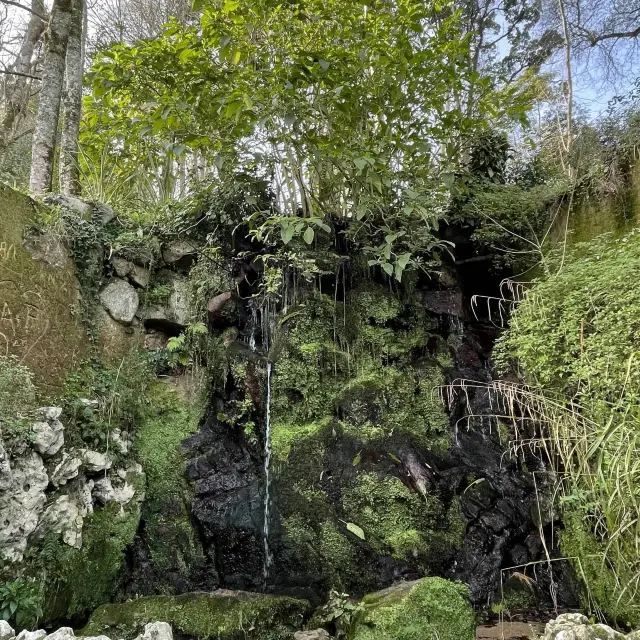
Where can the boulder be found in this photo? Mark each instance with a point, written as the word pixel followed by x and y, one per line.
pixel 575 626
pixel 427 608
pixel 82 208
pixel 175 313
pixel 64 633
pixel 156 631
pixel 21 503
pixel 31 635
pixel 154 340
pixel 94 461
pixel 48 436
pixel 104 491
pixel 121 300
pixel 179 253
pixel 103 212
pixel 126 269
pixel 221 613
pixel 63 516
pixel 120 440
pixel 316 634
pixel 6 631
pixel 65 470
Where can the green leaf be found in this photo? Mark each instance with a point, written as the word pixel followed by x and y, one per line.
pixel 387 268
pixel 324 64
pixel 230 6
pixel 286 232
pixel 357 459
pixel 308 235
pixel 356 530
pixel 395 458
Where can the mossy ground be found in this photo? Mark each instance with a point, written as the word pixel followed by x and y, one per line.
pixel 353 391
pixel 428 608
pixel 220 615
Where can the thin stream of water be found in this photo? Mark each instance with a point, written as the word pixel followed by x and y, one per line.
pixel 267 478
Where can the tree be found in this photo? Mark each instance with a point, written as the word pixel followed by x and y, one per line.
pixel 72 102
pixel 352 111
pixel 44 136
pixel 18 87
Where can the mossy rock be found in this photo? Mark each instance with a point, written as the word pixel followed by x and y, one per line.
pixel 419 610
pixel 224 615
pixel 39 320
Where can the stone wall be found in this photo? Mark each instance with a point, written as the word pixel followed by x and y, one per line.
pixel 39 320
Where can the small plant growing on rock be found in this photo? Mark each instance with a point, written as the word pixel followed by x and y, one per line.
pixel 341 612
pixel 20 602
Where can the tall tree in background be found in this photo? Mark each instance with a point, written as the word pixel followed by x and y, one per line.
pixel 18 85
pixel 44 136
pixel 72 102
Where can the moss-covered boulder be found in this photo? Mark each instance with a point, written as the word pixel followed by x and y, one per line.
pixel 223 615
pixel 419 610
pixel 39 320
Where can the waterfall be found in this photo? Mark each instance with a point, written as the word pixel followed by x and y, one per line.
pixel 267 478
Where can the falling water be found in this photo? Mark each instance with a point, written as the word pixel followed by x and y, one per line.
pixel 267 478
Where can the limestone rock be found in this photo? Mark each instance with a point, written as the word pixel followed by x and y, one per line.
pixel 175 313
pixel 5 470
pixel 103 212
pixel 316 634
pixel 120 440
pixel 181 251
pixel 21 503
pixel 6 631
pixel 121 300
pixel 575 626
pixel 64 633
pixel 94 461
pixel 82 208
pixel 104 491
pixel 156 631
pixel 65 470
pixel 48 436
pixel 31 635
pixel 63 516
pixel 127 269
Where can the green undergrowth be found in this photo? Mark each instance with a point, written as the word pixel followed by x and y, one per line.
pixel 574 339
pixel 76 581
pixel 223 616
pixel 169 417
pixel 353 394
pixel 428 608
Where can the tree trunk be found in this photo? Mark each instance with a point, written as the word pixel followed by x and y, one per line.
pixel 44 136
pixel 18 87
pixel 569 87
pixel 72 103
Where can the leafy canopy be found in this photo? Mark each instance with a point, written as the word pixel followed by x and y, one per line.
pixel 351 110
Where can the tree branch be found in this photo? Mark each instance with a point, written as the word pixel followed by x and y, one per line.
pixel 29 9
pixel 17 73
pixel 594 39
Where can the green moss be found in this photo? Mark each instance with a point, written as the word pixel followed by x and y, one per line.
pixel 168 418
pixel 223 615
pixel 39 320
pixel 79 580
pixel 428 608
pixel 600 576
pixel 394 518
pixel 357 382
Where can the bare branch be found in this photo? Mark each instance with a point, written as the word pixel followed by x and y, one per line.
pixel 594 39
pixel 17 73
pixel 29 9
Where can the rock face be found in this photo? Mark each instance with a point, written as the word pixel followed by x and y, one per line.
pixel 180 253
pixel 38 298
pixel 174 313
pixel 22 501
pixel 6 631
pixel 49 435
pixel 575 626
pixel 427 608
pixel 121 300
